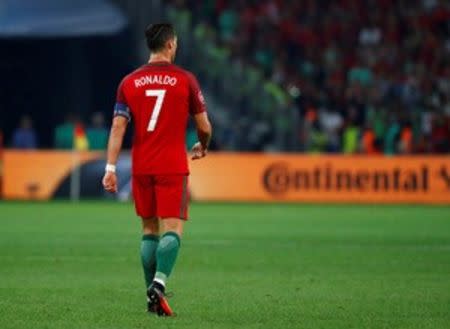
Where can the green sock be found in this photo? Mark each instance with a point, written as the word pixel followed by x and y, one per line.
pixel 166 254
pixel 148 256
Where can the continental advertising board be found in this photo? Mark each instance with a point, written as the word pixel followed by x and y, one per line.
pixel 247 177
pixel 306 178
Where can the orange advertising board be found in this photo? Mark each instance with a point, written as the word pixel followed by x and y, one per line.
pixel 251 177
pixel 314 178
pixel 37 174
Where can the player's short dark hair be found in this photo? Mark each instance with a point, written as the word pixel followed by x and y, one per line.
pixel 158 34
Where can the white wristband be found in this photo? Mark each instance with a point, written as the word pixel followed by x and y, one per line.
pixel 110 168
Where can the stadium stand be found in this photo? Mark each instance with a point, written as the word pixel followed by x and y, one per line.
pixel 325 76
pixel 342 76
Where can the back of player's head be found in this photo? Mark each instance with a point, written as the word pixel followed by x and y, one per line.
pixel 158 34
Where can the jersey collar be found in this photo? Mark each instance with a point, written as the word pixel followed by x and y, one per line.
pixel 159 63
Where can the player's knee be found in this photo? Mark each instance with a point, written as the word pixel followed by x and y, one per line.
pixel 173 225
pixel 150 225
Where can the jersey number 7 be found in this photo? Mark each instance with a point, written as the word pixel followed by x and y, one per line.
pixel 159 94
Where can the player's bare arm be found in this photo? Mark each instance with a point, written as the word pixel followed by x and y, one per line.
pixel 204 133
pixel 118 129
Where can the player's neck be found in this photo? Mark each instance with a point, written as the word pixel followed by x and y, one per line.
pixel 159 58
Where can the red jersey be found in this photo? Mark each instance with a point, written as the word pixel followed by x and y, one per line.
pixel 159 97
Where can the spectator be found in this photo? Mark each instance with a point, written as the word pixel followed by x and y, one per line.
pixel 228 22
pixel 24 137
pixel 369 142
pixel 331 122
pixel 318 140
pixel 406 139
pixel 391 137
pixel 371 34
pixel 440 137
pixel 350 139
pixel 360 73
pixel 96 133
pixel 64 133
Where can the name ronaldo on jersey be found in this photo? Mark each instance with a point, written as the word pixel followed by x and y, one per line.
pixel 155 80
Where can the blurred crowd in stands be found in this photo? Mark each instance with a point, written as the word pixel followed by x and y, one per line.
pixel 319 76
pixel 67 135
pixel 345 75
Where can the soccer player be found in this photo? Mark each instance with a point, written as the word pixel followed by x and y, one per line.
pixel 159 97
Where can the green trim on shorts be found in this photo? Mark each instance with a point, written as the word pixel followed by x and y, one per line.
pixel 184 199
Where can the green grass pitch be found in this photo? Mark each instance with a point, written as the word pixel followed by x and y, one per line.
pixel 66 265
